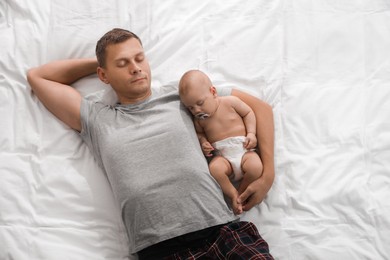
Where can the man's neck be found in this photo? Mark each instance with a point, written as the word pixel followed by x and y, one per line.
pixel 134 100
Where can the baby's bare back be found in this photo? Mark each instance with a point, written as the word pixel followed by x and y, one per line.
pixel 225 122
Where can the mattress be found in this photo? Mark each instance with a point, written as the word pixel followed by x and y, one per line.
pixel 323 66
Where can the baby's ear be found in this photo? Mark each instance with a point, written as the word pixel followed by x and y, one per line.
pixel 213 91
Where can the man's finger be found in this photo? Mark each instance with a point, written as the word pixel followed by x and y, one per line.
pixel 243 197
pixel 247 206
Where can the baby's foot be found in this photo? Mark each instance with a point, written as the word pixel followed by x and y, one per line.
pixel 237 207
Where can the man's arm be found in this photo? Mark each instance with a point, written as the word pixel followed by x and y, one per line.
pixel 258 189
pixel 51 84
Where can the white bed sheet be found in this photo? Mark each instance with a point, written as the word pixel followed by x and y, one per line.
pixel 324 66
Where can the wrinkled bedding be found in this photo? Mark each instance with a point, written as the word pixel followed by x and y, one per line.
pixel 324 67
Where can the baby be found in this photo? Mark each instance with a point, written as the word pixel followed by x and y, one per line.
pixel 226 128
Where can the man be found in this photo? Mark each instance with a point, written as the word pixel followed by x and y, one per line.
pixel 147 146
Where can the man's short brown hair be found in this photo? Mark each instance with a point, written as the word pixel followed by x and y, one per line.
pixel 116 35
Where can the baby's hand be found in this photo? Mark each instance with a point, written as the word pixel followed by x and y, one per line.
pixel 207 148
pixel 250 141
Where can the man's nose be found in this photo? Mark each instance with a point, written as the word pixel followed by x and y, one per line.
pixel 134 68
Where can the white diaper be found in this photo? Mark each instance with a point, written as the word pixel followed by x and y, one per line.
pixel 232 148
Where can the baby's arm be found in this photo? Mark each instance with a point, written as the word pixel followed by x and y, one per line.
pixel 248 116
pixel 207 148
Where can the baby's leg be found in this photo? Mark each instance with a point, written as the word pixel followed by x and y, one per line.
pixel 220 169
pixel 252 168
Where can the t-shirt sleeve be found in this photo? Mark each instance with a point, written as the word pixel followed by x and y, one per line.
pixel 224 91
pixel 88 114
pixel 85 115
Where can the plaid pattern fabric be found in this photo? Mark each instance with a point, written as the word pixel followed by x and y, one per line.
pixel 239 240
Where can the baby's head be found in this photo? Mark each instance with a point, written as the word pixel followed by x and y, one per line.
pixel 198 94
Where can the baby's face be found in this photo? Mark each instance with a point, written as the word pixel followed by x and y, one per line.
pixel 202 104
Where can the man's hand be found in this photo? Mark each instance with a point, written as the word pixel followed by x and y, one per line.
pixel 254 193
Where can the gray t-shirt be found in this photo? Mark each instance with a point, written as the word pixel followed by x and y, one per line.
pixel 154 163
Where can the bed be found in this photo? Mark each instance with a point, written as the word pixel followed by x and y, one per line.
pixel 323 66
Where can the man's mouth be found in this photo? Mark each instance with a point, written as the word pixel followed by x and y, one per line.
pixel 136 80
pixel 202 115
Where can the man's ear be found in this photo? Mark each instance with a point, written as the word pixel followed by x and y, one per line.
pixel 102 75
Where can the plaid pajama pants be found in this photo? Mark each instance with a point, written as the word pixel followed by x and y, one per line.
pixel 237 240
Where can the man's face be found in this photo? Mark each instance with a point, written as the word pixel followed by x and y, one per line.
pixel 127 71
